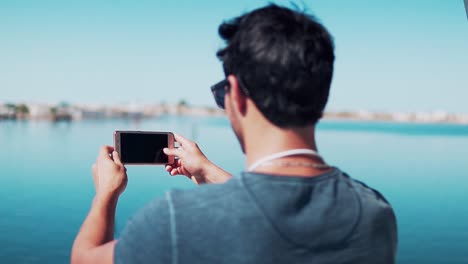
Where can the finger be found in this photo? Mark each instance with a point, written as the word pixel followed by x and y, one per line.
pixel 194 179
pixel 175 172
pixel 183 171
pixel 116 158
pixel 169 168
pixel 104 151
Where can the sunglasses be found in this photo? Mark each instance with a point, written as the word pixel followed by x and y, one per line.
pixel 219 91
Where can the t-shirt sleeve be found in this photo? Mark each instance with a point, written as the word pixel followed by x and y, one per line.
pixel 146 238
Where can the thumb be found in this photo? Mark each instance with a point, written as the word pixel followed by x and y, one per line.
pixel 171 151
pixel 116 158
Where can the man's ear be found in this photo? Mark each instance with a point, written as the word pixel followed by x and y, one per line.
pixel 239 99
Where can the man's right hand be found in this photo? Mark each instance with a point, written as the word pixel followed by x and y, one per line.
pixel 193 163
pixel 110 176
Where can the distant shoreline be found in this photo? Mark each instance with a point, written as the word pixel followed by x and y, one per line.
pixel 76 112
pixel 400 117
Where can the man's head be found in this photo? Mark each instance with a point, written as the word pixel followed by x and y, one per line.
pixel 283 61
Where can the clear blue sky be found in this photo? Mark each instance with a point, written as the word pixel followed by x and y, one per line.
pixel 391 55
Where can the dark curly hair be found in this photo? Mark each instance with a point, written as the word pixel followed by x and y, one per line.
pixel 283 60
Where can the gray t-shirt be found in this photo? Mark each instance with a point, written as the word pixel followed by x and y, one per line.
pixel 259 218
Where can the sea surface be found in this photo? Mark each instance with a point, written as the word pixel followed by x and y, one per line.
pixel 46 185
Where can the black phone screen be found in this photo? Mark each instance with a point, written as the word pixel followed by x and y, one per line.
pixel 143 148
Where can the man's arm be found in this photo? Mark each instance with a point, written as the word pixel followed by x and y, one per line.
pixel 95 241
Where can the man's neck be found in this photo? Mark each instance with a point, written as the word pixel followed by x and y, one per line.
pixel 265 139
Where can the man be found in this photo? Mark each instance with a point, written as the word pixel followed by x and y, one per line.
pixel 289 206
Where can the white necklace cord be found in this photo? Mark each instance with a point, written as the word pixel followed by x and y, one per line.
pixel 282 154
pixel 295 164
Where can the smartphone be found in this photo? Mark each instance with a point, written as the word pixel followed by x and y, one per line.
pixel 143 147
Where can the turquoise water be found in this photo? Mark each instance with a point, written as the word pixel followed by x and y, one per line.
pixel 46 184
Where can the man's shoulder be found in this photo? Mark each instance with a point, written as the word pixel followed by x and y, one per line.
pixel 207 195
pixel 368 195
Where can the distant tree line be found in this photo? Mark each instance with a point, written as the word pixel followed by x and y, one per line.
pixel 14 111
